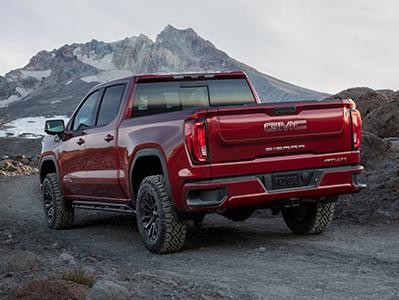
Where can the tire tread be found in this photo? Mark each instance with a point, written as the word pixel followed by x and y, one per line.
pixel 173 231
pixel 318 218
pixel 63 213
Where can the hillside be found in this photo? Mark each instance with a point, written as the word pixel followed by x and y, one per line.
pixel 54 81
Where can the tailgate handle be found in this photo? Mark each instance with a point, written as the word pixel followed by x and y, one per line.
pixel 286 110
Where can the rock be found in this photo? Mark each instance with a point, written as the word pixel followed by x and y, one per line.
pixel 89 269
pixel 107 290
pixel 67 258
pixel 51 289
pixel 11 167
pixel 7 165
pixel 374 150
pixel 384 120
pixel 397 182
pixel 90 259
pixel 370 101
pixel 34 162
pixel 352 93
pixel 23 261
pixel 14 146
pixel 389 93
pixel 378 109
pixel 366 99
pixel 24 161
pixel 9 274
pixel 8 242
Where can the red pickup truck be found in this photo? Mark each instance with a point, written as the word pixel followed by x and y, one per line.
pixel 173 147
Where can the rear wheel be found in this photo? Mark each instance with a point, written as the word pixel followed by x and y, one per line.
pixel 309 218
pixel 157 220
pixel 58 213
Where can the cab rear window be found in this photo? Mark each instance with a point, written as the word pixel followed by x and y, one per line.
pixel 159 97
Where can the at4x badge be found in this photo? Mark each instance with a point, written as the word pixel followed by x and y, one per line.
pixel 335 159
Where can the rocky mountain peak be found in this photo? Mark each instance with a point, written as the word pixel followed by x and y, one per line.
pixel 172 32
pixel 59 78
pixel 185 38
pixel 41 61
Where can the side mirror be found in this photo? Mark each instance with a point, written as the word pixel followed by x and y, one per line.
pixel 54 127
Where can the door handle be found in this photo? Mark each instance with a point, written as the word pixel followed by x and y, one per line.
pixel 80 141
pixel 109 137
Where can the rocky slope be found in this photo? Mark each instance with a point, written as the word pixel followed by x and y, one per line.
pixel 380 156
pixel 54 81
pixel 379 109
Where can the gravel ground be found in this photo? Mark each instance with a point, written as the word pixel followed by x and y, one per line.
pixel 255 259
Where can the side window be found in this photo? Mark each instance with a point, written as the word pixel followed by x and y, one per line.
pixel 110 104
pixel 86 115
pixel 157 97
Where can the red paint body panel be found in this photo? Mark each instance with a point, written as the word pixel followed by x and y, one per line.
pixel 239 150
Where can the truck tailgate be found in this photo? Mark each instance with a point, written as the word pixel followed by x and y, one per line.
pixel 250 132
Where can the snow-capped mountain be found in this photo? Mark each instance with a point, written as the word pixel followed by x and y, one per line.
pixel 53 82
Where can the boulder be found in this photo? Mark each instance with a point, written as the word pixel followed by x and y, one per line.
pixel 352 93
pixel 23 261
pixel 374 150
pixel 67 258
pixel 51 289
pixel 384 120
pixel 108 290
pixel 366 99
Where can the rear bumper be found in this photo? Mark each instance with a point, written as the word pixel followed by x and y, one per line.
pixel 257 190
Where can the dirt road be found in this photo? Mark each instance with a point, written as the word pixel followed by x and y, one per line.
pixel 255 259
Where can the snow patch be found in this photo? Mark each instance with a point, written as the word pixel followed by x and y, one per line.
pixel 31 127
pixel 13 98
pixel 23 92
pixel 9 100
pixel 104 63
pixel 107 76
pixel 39 75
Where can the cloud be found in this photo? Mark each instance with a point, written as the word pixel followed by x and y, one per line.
pixel 319 44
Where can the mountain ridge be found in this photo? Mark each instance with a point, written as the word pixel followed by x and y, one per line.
pixel 55 81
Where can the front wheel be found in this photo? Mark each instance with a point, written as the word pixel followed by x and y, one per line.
pixel 157 220
pixel 59 214
pixel 309 218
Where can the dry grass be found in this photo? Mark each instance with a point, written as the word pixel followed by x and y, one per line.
pixel 80 276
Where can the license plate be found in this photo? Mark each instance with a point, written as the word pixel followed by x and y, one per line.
pixel 285 181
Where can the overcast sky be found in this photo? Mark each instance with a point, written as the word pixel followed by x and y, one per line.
pixel 325 45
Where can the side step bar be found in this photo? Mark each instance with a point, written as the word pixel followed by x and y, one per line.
pixel 103 206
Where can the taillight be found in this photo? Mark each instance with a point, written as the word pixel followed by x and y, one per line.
pixel 356 129
pixel 195 135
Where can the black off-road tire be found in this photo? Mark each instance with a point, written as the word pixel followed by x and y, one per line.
pixel 62 211
pixel 309 218
pixel 171 232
